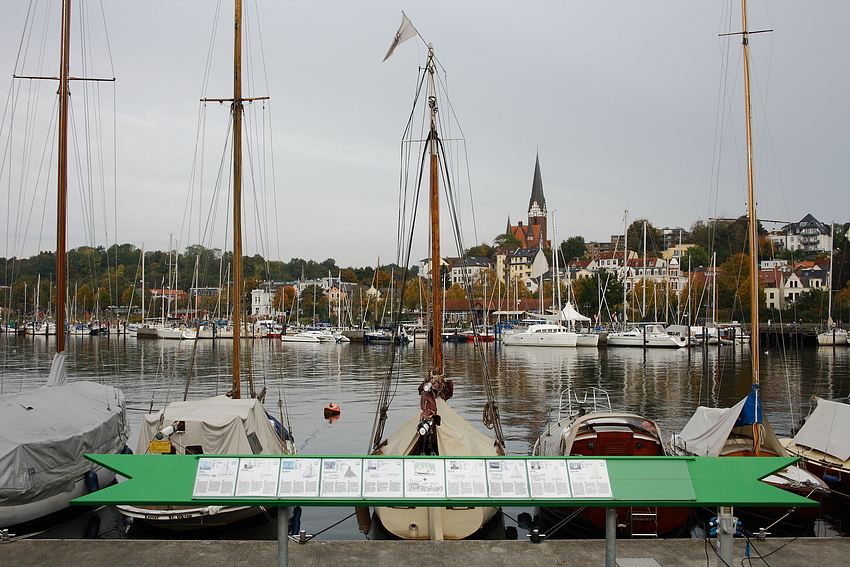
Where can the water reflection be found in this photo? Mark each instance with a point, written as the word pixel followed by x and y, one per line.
pixel 665 385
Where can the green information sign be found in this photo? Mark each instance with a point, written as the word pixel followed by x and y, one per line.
pixel 437 481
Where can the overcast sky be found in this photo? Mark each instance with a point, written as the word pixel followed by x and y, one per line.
pixel 631 105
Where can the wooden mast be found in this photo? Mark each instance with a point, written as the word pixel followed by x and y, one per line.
pixel 753 226
pixel 236 108
pixel 62 192
pixel 436 281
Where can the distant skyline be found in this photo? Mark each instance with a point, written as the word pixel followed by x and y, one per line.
pixel 630 105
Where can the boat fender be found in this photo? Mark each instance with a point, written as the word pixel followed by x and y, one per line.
pixel 331 410
pixel 832 480
pixel 92 483
pixel 126 450
pixel 295 521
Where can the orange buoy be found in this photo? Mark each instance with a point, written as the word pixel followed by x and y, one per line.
pixel 331 410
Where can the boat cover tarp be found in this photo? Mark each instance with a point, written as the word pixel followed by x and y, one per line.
pixel 568 313
pixel 44 434
pixel 220 425
pixel 455 436
pixel 706 432
pixel 827 429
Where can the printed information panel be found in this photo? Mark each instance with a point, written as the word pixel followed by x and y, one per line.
pixel 393 478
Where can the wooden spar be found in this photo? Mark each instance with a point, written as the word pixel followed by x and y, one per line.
pixel 751 205
pixel 436 280
pixel 751 212
pixel 236 107
pixel 62 192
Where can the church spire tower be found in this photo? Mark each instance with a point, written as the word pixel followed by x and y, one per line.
pixel 536 237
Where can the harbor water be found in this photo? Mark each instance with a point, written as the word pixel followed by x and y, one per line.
pixel 302 378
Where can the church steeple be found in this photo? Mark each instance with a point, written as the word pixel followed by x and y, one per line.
pixel 537 203
pixel 537 211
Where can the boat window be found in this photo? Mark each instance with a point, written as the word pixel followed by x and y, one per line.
pixel 254 442
pixel 194 450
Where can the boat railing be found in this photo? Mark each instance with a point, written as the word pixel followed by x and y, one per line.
pixel 579 402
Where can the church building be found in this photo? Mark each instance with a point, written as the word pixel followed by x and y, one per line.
pixel 533 235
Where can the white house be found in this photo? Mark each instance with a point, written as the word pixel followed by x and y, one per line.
pixel 468 269
pixel 261 304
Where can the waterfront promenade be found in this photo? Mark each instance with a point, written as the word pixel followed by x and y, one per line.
pixel 784 552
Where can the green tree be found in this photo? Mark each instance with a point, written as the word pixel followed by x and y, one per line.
pixel 693 258
pixel 507 240
pixel 603 284
pixel 654 238
pixel 573 248
pixel 85 297
pixel 480 251
pixel 314 302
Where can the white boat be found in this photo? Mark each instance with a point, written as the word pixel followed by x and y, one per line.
pixel 832 336
pixel 386 336
pixel 173 333
pixel 541 335
pixel 45 433
pixel 434 428
pixel 221 425
pixel 648 336
pixel 212 426
pixel 307 337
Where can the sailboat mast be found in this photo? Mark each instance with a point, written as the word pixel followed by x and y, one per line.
pixel 436 283
pixel 236 108
pixel 751 205
pixel 62 192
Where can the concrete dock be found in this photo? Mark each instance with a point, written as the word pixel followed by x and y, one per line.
pixel 783 552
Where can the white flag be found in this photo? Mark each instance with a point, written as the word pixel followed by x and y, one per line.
pixel 405 32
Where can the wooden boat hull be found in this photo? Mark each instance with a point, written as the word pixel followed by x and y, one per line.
pixel 186 519
pixel 453 523
pixel 632 522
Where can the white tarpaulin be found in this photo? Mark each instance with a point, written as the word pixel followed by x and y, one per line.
pixel 44 434
pixel 455 436
pixel 568 313
pixel 218 425
pixel 827 429
pixel 708 429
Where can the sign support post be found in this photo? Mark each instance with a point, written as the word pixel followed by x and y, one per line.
pixel 610 536
pixel 283 515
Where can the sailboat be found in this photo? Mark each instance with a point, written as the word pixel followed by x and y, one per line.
pixel 222 425
pixel 832 336
pixel 45 433
pixel 586 425
pixel 743 430
pixel 435 429
pixel 823 444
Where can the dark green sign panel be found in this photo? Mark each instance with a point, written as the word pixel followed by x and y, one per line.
pixel 187 480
